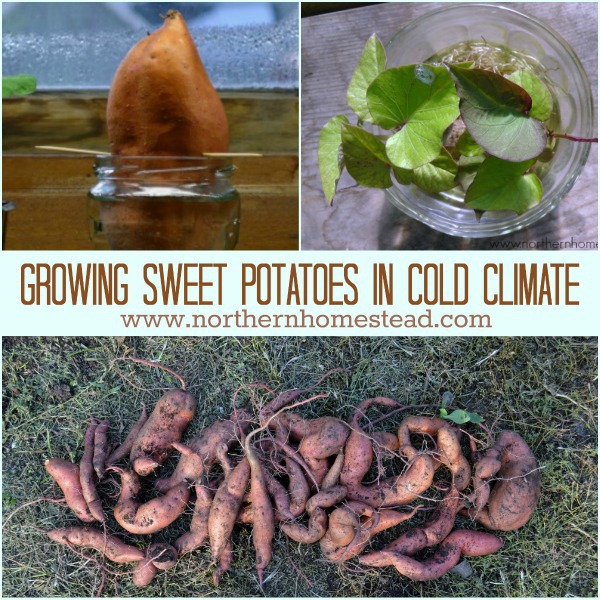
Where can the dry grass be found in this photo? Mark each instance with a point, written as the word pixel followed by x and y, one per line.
pixel 544 388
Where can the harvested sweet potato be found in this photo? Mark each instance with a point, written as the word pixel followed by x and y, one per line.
pixel 87 475
pixel 88 537
pixel 225 506
pixel 161 100
pixel 67 475
pixel 171 415
pixel 198 532
pixel 517 490
pixel 207 445
pixel 458 543
pixel 152 516
pixel 144 572
pixel 448 450
pixel 431 533
pixel 100 448
pixel 163 556
pixel 124 449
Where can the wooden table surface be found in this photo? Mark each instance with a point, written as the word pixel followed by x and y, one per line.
pixel 363 218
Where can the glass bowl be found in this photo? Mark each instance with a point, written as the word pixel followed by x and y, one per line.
pixel 499 25
pixel 164 203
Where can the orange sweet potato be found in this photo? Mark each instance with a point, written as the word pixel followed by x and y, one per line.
pixel 198 532
pixel 412 541
pixel 161 100
pixel 152 516
pixel 207 445
pixel 458 543
pixel 171 415
pixel 144 572
pixel 163 556
pixel 87 475
pixel 100 448
pixel 225 507
pixel 66 474
pixel 517 490
pixel 87 537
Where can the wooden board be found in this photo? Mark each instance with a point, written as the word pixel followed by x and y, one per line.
pixel 364 219
pixel 50 194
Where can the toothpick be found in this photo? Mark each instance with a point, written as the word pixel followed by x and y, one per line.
pixel 99 153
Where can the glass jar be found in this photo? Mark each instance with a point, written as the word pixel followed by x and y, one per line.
pixel 500 26
pixel 164 203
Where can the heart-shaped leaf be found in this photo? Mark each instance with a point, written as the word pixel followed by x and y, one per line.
pixel 438 175
pixel 18 85
pixel 467 146
pixel 503 185
pixel 365 157
pixel 422 100
pixel 370 64
pixel 495 113
pixel 541 98
pixel 331 160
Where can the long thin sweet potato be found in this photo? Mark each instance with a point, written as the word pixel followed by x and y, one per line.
pixel 100 448
pixel 87 474
pixel 458 543
pixel 517 490
pixel 144 572
pixel 67 475
pixel 225 507
pixel 198 532
pixel 171 415
pixel 87 537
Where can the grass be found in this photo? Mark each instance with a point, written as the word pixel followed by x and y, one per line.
pixel 544 388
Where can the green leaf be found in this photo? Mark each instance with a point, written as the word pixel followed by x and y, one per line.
pixel 467 169
pixel 422 100
pixel 18 85
pixel 503 185
pixel 467 146
pixel 370 64
pixel 495 113
pixel 438 175
pixel 365 158
pixel 330 158
pixel 541 98
pixel 403 176
pixel 460 417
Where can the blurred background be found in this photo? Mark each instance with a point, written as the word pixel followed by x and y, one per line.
pixel 78 45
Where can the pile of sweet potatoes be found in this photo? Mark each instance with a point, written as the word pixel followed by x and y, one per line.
pixel 315 479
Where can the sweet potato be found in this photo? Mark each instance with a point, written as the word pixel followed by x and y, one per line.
pixel 459 542
pixel 448 452
pixel 225 506
pixel 124 449
pixel 484 469
pixel 225 562
pixel 264 518
pixel 144 572
pixel 352 526
pixel 431 533
pixel 317 523
pixel 163 556
pixel 100 448
pixel 198 532
pixel 87 475
pixel 298 489
pixel 207 445
pixel 66 474
pixel 87 537
pixel 517 490
pixel 161 100
pixel 152 516
pixel 171 415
